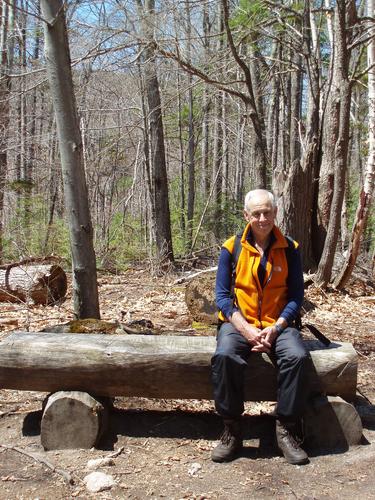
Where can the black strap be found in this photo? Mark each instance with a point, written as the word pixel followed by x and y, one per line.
pixel 237 249
pixel 318 334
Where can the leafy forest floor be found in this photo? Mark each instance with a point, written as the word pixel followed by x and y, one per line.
pixel 162 448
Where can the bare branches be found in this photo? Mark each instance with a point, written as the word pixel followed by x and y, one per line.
pixel 193 70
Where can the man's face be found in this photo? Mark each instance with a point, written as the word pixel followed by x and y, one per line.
pixel 261 214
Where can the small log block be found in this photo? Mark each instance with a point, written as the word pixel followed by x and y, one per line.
pixel 37 283
pixel 332 423
pixel 72 420
pixel 167 367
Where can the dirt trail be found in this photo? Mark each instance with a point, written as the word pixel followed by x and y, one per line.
pixel 164 446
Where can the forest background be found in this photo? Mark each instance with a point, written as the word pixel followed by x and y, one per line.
pixel 180 108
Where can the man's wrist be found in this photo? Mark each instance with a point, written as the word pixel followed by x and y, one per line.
pixel 279 329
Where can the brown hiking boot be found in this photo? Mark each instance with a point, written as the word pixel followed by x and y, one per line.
pixel 289 446
pixel 230 442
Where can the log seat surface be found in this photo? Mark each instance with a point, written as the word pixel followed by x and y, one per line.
pixel 168 367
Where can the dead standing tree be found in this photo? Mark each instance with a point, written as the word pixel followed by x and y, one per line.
pixel 85 291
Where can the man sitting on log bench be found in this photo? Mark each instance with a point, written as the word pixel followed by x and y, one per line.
pixel 258 302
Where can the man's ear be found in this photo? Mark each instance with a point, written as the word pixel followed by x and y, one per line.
pixel 246 215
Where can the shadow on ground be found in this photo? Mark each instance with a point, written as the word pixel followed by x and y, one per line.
pixel 258 431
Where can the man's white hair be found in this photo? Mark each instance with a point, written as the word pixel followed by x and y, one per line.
pixel 256 192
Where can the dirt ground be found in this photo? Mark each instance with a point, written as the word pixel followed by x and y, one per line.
pixel 160 448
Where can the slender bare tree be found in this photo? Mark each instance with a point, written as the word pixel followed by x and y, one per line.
pixel 85 290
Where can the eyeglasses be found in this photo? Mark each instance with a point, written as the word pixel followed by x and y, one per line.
pixel 267 214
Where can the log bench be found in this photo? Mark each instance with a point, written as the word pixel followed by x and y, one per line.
pixel 83 368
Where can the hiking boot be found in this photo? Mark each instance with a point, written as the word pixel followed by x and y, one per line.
pixel 230 442
pixel 289 446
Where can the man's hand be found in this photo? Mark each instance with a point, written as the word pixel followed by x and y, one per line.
pixel 249 332
pixel 268 336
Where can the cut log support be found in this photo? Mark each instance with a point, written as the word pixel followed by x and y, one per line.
pixel 71 420
pixel 331 423
pixel 168 367
pixel 37 283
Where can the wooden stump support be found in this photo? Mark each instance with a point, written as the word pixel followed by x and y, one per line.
pixel 71 420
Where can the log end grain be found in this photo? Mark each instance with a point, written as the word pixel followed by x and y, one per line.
pixel 72 420
pixel 332 424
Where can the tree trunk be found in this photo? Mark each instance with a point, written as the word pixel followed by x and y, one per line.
pixel 182 163
pixel 366 193
pixel 6 58
pixel 85 291
pixel 342 100
pixel 206 104
pixel 191 136
pixel 154 366
pixel 298 196
pixel 160 194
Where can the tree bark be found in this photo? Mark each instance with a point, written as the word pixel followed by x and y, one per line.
pixel 153 366
pixel 6 59
pixel 160 194
pixel 339 145
pixel 299 190
pixel 206 105
pixel 191 139
pixel 366 193
pixel 85 291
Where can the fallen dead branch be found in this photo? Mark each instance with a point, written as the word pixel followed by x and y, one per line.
pixel 191 276
pixel 65 474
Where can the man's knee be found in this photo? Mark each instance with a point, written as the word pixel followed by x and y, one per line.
pixel 230 341
pixel 292 349
pixel 224 360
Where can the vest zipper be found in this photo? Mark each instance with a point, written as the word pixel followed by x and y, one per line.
pixel 261 299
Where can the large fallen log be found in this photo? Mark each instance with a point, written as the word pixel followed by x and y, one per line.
pixel 153 366
pixel 37 283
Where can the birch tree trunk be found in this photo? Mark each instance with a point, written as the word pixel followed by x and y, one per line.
pixel 6 57
pixel 85 290
pixel 365 196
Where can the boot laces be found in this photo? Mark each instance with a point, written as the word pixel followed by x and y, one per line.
pixel 294 440
pixel 226 436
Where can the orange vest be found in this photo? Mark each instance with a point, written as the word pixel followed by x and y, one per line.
pixel 261 306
